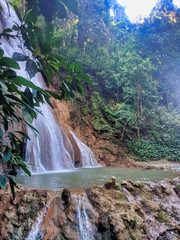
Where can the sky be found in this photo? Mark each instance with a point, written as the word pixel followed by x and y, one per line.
pixel 135 8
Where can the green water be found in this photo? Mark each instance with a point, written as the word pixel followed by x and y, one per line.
pixel 87 177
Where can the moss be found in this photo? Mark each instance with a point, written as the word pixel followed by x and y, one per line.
pixel 178 186
pixel 121 196
pixel 83 119
pixel 86 110
pixel 100 125
pixel 162 217
pixel 99 121
pixel 138 184
pixel 73 115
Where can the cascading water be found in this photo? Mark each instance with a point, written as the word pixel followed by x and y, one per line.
pixel 51 149
pixel 59 221
pixel 87 157
pixel 85 230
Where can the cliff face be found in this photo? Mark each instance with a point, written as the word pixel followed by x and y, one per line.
pixel 137 210
pixel 133 210
pixel 17 218
pixel 76 117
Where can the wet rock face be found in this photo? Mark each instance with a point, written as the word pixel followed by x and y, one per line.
pixel 66 197
pixel 111 184
pixel 70 223
pixel 17 217
pixel 106 152
pixel 137 210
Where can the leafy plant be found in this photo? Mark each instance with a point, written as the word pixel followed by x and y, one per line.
pixel 16 107
pixel 21 106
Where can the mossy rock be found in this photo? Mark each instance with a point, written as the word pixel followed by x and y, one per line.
pixel 162 217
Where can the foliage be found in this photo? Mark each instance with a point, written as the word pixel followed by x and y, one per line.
pixel 20 106
pixel 135 70
pixel 16 107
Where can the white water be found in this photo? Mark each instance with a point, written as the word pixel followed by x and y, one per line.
pixel 51 149
pixel 35 233
pixel 85 226
pixel 87 157
pixel 85 230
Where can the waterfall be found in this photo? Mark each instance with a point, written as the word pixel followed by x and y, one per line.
pixel 51 149
pixel 87 157
pixel 35 233
pixel 57 221
pixel 85 230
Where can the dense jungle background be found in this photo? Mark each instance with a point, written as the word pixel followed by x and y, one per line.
pixel 134 96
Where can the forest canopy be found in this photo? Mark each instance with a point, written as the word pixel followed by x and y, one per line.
pixel 135 73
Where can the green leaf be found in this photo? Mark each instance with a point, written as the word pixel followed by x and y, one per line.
pixel 15 28
pixel 4 87
pixel 49 32
pixel 48 9
pixel 19 57
pixel 12 184
pixel 9 62
pixel 7 155
pixel 31 16
pixel 8 30
pixel 20 81
pixel 72 66
pixel 85 77
pixel 28 116
pixel 31 68
pixel 2 182
pixel 23 134
pixel 9 73
pixel 48 101
pixel 79 88
pixel 5 124
pixel 66 87
pixel 29 96
pixel 61 11
pixel 54 95
pixel 1 133
pixel 78 68
pixel 37 51
pixel 71 95
pixel 24 168
pixel 69 79
pixel 72 5
pixel 1 52
pixel 55 42
pixel 32 128
pixel 18 13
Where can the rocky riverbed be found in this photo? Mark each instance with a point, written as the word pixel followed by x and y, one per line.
pixel 163 165
pixel 131 210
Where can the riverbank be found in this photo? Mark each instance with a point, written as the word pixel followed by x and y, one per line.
pixel 163 165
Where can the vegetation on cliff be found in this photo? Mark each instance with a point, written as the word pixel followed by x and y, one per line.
pixel 135 74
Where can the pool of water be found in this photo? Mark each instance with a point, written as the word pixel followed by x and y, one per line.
pixel 87 177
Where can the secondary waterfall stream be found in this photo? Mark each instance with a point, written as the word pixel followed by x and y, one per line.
pixel 51 149
pixel 84 223
pixel 78 219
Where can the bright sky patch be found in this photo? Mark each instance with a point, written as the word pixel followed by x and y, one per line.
pixel 140 8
